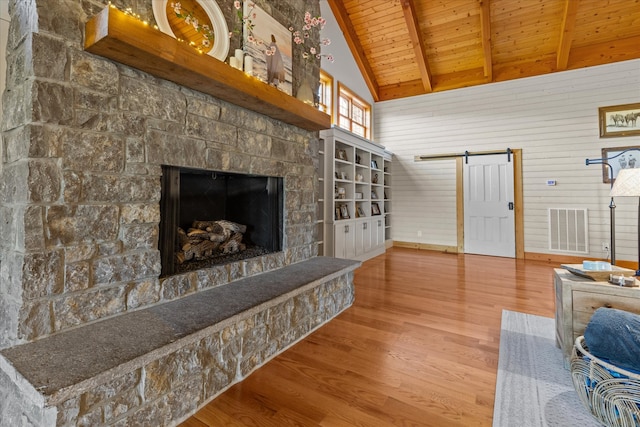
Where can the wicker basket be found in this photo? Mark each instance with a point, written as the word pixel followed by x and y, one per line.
pixel 611 394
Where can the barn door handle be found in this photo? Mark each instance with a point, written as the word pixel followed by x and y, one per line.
pixel 510 206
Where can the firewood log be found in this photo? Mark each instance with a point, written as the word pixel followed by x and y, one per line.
pixel 196 232
pixel 208 226
pixel 233 245
pixel 233 226
pixel 183 240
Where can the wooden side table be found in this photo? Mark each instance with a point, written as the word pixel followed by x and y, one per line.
pixel 576 300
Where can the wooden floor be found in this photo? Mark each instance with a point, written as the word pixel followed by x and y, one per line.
pixel 419 347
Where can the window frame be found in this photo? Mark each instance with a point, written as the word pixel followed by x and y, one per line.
pixel 325 93
pixel 353 100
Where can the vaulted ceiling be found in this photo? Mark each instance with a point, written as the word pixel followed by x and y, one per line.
pixel 412 47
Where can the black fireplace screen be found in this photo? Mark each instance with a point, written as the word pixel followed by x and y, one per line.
pixel 209 218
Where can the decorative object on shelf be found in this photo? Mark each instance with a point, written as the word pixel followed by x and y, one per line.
pixel 244 20
pixel 360 212
pixel 621 280
pixel 359 196
pixel 190 19
pixel 374 164
pixel 341 154
pixel 269 44
pixel 305 92
pixel 619 120
pixel 343 175
pixel 302 37
pixel 344 212
pixel 374 180
pixel 375 209
pixel 600 274
pixel 202 33
pixel 374 195
pixel 359 177
pixel 358 159
pixel 628 185
pixel 342 193
pixel 248 65
pixel 619 158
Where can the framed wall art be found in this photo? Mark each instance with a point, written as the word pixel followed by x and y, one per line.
pixel 269 43
pixel 619 120
pixel 619 158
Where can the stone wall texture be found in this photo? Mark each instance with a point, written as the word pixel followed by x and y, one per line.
pixel 174 385
pixel 84 139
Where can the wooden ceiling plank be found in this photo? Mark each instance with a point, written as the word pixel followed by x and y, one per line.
pixel 466 43
pixel 566 33
pixel 342 17
pixel 410 16
pixel 485 25
pixel 605 53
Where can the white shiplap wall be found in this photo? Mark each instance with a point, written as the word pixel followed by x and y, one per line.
pixel 552 118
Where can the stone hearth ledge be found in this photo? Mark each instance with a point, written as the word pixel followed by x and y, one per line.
pixel 55 369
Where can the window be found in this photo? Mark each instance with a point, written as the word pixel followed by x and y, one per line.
pixel 354 114
pixel 325 93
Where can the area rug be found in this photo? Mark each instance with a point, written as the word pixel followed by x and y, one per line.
pixel 533 387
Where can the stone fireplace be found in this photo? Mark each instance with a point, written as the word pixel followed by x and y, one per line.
pixel 195 202
pixel 93 327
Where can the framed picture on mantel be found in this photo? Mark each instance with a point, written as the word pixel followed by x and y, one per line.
pixel 272 53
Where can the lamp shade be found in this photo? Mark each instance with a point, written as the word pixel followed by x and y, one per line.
pixel 627 183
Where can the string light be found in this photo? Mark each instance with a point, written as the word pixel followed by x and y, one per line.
pixel 130 12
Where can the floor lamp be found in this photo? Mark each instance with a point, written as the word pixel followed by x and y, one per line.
pixel 627 184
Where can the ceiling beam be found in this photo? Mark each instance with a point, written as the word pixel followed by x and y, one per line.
pixel 566 33
pixel 342 17
pixel 485 32
pixel 410 16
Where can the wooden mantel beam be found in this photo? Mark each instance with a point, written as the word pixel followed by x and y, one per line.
pixel 485 31
pixel 124 39
pixel 411 18
pixel 566 33
pixel 342 17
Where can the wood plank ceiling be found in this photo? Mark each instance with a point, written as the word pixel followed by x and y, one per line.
pixel 413 47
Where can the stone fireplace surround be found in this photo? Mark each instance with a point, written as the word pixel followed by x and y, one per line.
pixel 84 139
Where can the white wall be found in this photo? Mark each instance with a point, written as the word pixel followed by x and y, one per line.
pixel 552 118
pixel 344 68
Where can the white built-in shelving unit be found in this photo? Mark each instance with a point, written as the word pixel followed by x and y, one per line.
pixel 357 195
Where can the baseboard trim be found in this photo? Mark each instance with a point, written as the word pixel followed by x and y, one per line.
pixel 572 259
pixel 426 247
pixel 532 256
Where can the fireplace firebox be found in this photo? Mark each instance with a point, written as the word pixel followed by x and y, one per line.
pixel 218 216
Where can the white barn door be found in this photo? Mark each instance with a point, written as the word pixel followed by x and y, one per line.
pixel 489 215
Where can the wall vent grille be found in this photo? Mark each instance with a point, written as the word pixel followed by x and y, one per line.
pixel 568 230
